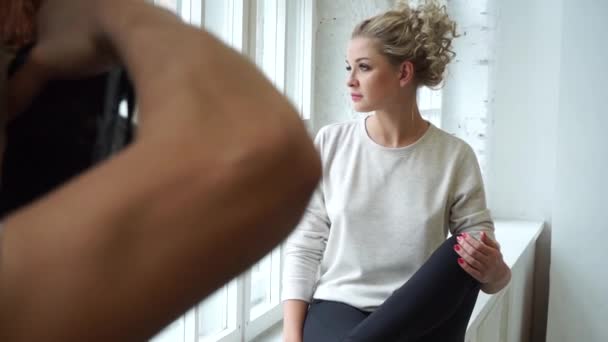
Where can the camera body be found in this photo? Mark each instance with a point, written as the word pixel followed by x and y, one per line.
pixel 70 126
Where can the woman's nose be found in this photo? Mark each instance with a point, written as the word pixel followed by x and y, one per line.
pixel 351 81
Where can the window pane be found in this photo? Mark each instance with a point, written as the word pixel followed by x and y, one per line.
pixel 196 12
pixel 260 287
pixel 171 5
pixel 172 333
pixel 269 55
pixel 212 313
pixel 299 54
pixel 293 54
pixel 266 38
pixel 189 10
pixel 218 19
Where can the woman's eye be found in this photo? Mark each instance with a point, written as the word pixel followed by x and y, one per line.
pixel 364 67
pixel 348 68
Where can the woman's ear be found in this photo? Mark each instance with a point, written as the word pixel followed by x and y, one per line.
pixel 406 73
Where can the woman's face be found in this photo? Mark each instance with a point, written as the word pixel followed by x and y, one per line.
pixel 374 82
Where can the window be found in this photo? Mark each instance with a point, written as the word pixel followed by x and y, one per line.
pixel 277 36
pixel 300 55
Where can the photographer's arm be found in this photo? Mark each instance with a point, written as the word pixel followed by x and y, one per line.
pixel 220 173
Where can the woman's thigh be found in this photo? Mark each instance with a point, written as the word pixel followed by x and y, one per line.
pixel 328 321
pixel 455 328
pixel 432 296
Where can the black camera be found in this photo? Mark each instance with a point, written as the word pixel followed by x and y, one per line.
pixel 70 126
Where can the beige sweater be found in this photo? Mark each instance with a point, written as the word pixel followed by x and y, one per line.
pixel 379 213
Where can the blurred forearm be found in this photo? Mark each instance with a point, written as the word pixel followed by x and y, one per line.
pixel 294 313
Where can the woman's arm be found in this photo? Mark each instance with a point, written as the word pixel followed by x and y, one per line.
pixel 294 314
pixel 480 257
pixel 303 254
pixel 221 172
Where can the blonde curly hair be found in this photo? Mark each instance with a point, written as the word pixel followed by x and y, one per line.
pixel 422 35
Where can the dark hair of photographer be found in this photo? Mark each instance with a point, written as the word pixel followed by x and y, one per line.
pixel 16 24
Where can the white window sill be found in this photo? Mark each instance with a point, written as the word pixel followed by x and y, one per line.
pixel 274 334
pixel 505 315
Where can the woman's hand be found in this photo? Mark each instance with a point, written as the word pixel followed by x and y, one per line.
pixel 483 260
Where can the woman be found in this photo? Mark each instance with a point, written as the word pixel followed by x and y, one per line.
pixel 393 186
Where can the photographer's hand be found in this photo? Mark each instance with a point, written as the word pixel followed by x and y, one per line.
pixel 70 43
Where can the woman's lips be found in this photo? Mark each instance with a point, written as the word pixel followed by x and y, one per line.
pixel 356 97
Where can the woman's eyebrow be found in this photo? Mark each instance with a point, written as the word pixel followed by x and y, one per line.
pixel 358 59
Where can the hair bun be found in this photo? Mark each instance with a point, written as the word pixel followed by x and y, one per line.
pixel 422 34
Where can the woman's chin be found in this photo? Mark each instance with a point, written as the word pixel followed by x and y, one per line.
pixel 361 108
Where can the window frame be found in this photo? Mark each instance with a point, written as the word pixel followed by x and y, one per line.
pixel 295 80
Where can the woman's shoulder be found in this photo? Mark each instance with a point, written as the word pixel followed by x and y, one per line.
pixel 451 142
pixel 449 149
pixel 339 130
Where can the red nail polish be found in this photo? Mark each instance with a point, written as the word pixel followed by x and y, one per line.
pixel 456 248
pixel 461 261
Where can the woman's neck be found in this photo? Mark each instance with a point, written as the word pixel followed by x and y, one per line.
pixel 397 128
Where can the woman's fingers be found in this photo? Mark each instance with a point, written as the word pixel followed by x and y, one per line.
pixel 470 270
pixel 478 257
pixel 473 262
pixel 474 247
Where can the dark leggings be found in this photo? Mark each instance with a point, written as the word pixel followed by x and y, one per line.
pixel 435 304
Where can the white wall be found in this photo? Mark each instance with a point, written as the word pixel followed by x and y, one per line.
pixel 526 91
pixel 578 306
pixel 523 116
pixel 549 153
pixel 466 94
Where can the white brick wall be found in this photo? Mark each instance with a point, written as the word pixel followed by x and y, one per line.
pixel 466 94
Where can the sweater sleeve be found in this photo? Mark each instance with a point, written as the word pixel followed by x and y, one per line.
pixel 468 210
pixel 304 248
